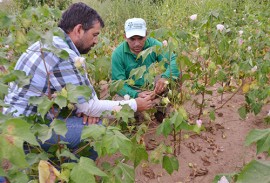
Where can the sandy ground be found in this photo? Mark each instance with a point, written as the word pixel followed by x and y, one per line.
pixel 217 150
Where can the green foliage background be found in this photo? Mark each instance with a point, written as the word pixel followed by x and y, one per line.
pixel 206 57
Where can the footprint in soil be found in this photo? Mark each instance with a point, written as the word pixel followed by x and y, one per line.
pixel 152 144
pixel 193 147
pixel 198 172
pixel 148 172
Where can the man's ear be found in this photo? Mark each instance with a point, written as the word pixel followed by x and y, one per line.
pixel 78 30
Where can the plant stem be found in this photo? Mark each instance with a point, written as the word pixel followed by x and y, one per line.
pixel 181 84
pixel 174 142
pixel 221 98
pixel 203 96
pixel 179 141
pixel 230 97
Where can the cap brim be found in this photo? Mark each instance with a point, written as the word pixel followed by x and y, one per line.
pixel 131 33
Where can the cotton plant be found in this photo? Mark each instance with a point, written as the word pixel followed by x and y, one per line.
pixel 79 62
pixel 254 69
pixel 223 179
pixel 220 27
pixel 199 123
pixel 193 17
pixel 241 32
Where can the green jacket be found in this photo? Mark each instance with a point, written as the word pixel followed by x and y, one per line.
pixel 123 61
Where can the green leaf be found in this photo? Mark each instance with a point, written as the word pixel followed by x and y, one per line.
pixel 43 104
pixel 63 54
pixel 94 131
pixel 4 88
pixel 75 92
pixel 116 86
pixel 124 173
pixel 221 76
pixel 59 127
pixel 43 132
pixel 13 151
pixel 157 155
pixel 125 113
pixel 3 104
pixel 242 112
pixel 18 128
pixel 170 164
pixel 212 115
pixel 165 128
pixel 5 21
pixel 256 108
pixel 18 76
pixel 140 154
pixel 33 158
pixel 68 154
pixel 146 52
pixel 255 135
pixel 18 177
pixel 176 119
pixel 263 144
pixel 14 133
pixel 138 72
pixel 85 170
pixel 255 171
pixel 61 101
pixel 115 140
pixel 215 14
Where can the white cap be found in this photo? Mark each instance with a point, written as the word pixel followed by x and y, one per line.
pixel 135 26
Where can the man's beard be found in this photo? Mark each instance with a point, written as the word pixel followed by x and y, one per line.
pixel 82 49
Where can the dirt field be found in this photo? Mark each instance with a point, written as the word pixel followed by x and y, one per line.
pixel 219 149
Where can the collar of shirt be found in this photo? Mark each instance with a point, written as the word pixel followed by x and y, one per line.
pixel 71 44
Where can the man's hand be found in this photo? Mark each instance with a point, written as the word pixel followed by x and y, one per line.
pixel 145 94
pixel 144 103
pixel 88 119
pixel 161 86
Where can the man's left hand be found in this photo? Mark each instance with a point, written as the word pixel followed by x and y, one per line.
pixel 161 85
pixel 88 119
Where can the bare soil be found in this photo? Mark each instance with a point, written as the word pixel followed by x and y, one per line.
pixel 219 149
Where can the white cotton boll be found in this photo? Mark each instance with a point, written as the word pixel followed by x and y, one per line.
pixel 240 32
pixel 199 123
pixel 79 62
pixel 254 69
pixel 223 179
pixel 126 97
pixel 220 27
pixel 249 48
pixel 193 17
pixel 165 43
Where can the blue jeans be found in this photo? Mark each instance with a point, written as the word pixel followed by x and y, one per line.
pixel 2 180
pixel 73 136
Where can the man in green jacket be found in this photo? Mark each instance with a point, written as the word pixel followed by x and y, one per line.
pixel 124 59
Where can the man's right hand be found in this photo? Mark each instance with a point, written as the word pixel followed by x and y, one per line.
pixel 144 103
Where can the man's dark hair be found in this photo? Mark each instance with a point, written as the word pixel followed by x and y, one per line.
pixel 79 13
